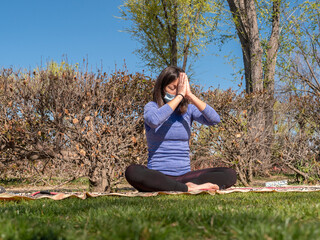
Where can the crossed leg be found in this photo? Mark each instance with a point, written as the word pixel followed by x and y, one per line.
pixel 148 180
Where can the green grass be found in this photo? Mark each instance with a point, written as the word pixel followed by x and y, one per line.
pixel 232 216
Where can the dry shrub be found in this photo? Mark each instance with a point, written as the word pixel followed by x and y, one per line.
pixel 63 122
pixel 298 137
pixel 233 142
pixel 241 137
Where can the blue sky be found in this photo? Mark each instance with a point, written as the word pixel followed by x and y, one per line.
pixel 36 31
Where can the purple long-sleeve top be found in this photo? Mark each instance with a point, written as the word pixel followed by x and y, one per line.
pixel 168 133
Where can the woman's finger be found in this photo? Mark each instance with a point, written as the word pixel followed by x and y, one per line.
pixel 182 86
pixel 184 78
pixel 181 80
pixel 188 88
pixel 181 77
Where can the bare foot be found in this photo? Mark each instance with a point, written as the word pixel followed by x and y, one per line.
pixel 205 186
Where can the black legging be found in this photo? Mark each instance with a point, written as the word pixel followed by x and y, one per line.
pixel 148 180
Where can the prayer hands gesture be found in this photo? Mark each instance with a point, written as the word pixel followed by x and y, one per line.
pixel 184 86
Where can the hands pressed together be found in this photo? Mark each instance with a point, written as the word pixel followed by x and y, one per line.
pixel 184 86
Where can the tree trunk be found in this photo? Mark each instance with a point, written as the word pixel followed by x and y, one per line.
pixel 99 183
pixel 187 45
pixel 261 124
pixel 242 176
pixel 255 48
pixel 174 32
pixel 271 61
pixel 245 20
pixel 246 63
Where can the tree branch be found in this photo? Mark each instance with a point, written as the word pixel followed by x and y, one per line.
pixel 186 48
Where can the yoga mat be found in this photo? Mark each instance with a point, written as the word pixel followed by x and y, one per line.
pixel 84 195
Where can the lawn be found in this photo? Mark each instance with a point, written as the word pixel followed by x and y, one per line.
pixel 232 216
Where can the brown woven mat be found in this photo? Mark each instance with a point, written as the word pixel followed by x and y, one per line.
pixel 84 195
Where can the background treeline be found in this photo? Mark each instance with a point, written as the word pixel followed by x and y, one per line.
pixel 70 123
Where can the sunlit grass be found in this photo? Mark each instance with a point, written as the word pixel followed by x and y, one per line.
pixel 232 216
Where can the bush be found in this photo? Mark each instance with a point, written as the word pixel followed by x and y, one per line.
pixel 67 123
pixel 78 124
pixel 298 137
pixel 234 143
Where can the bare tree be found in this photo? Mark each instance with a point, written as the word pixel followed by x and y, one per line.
pixel 259 75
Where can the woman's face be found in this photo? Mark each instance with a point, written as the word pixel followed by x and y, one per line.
pixel 172 87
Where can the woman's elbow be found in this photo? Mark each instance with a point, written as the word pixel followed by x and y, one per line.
pixel 152 122
pixel 214 121
pixel 218 120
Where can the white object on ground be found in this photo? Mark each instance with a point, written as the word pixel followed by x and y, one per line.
pixel 277 183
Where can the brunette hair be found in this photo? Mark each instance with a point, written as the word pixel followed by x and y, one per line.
pixel 167 76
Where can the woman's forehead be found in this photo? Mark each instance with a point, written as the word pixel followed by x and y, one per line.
pixel 174 82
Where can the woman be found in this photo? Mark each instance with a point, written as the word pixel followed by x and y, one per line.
pixel 168 121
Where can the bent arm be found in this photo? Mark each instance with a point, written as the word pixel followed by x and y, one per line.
pixel 154 116
pixel 196 101
pixel 202 112
pixel 175 102
pixel 208 116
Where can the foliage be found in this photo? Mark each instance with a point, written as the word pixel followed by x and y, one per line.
pixel 300 65
pixel 302 61
pixel 171 30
